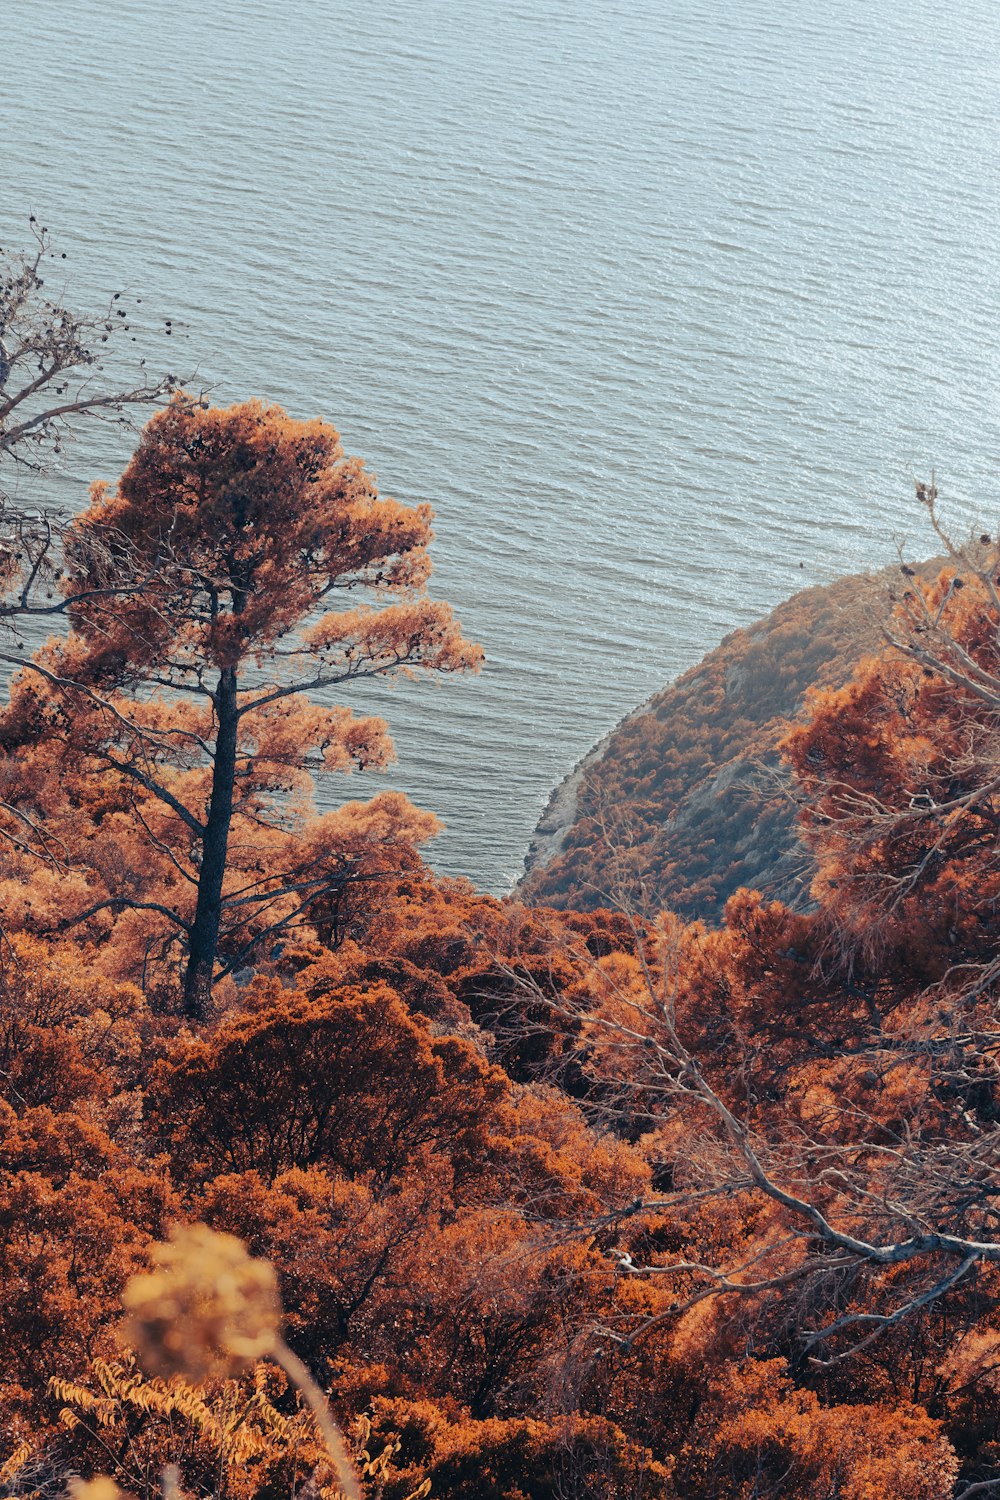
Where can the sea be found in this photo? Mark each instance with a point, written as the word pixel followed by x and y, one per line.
pixel 661 304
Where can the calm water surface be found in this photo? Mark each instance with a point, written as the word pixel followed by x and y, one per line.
pixel 659 302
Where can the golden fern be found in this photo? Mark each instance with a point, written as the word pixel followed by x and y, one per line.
pixel 16 1461
pixel 242 1427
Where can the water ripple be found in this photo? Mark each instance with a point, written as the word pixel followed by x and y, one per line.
pixel 658 304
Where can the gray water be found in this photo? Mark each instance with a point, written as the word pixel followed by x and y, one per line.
pixel 659 302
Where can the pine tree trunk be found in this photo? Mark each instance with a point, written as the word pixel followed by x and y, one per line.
pixel 203 939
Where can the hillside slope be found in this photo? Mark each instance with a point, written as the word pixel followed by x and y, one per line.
pixel 687 800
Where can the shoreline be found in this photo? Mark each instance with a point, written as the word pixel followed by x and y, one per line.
pixel 559 814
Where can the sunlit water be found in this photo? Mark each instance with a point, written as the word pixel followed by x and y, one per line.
pixel 659 302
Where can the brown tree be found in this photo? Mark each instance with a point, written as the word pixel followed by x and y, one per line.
pixel 184 705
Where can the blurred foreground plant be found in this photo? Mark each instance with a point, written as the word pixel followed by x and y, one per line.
pixel 209 1310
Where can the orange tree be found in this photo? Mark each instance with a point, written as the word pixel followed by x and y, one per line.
pixel 176 711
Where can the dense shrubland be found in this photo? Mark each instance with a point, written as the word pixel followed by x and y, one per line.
pixel 556 1203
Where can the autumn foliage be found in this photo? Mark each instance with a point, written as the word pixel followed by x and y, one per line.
pixel 551 1203
pixel 199 594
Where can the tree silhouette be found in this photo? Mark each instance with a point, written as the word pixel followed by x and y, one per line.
pixel 52 359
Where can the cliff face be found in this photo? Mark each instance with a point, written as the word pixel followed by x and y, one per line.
pixel 687 799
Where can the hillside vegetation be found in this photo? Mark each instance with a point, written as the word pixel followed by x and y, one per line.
pixel 546 1204
pixel 323 1176
pixel 688 799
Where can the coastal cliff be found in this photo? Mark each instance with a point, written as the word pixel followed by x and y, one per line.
pixel 687 798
